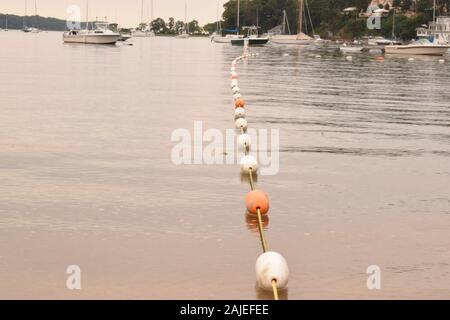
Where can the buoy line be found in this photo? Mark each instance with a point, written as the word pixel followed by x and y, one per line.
pixel 271 268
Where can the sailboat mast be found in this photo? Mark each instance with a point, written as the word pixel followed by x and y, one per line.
pixel 25 17
pixel 35 13
pixel 151 10
pixel 142 11
pixel 257 17
pixel 238 14
pixel 87 14
pixel 300 16
pixel 185 16
pixel 393 26
pixel 434 11
pixel 217 24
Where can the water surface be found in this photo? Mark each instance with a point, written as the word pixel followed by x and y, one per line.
pixel 87 179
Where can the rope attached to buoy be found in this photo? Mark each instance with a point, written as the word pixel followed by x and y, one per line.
pixel 271 267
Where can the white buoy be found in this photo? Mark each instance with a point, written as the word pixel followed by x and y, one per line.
pixel 234 74
pixel 249 163
pixel 349 58
pixel 234 83
pixel 233 69
pixel 241 123
pixel 318 56
pixel 244 142
pixel 236 89
pixel 239 113
pixel 441 61
pixel 272 266
pixel 411 59
pixel 237 96
pixel 285 54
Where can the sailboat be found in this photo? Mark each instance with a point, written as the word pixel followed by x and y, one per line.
pixel 143 31
pixel 184 34
pixel 100 34
pixel 35 29
pixel 420 47
pixel 298 39
pixel 25 28
pixel 219 38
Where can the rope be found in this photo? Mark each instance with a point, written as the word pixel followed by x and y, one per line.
pixel 261 232
pixel 260 220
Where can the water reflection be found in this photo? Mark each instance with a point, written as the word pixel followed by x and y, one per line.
pixel 252 222
pixel 262 294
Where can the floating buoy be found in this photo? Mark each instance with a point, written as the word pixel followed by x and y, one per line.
pixel 239 113
pixel 272 266
pixel 244 141
pixel 380 58
pixel 255 200
pixel 234 74
pixel 233 69
pixel 411 59
pixel 234 77
pixel 441 60
pixel 237 96
pixel 235 90
pixel 349 58
pixel 249 163
pixel 241 123
pixel 234 83
pixel 285 54
pixel 239 103
pixel 318 56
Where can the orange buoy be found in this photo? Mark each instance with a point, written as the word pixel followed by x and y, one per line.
pixel 255 200
pixel 380 58
pixel 239 103
pixel 234 77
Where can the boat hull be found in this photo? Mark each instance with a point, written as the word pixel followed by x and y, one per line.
pixel 92 39
pixel 298 39
pixel 292 41
pixel 417 50
pixel 251 42
pixel 220 39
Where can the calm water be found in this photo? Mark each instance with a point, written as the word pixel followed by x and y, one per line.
pixel 87 179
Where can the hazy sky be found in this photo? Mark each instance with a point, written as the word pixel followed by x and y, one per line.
pixel 125 12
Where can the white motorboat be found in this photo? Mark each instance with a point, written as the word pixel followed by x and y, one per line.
pixel 297 39
pixel 433 45
pixel 419 47
pixel 99 35
pixel 351 48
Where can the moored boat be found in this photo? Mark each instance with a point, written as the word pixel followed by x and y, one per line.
pixel 99 35
pixel 252 38
pixel 296 39
pixel 419 47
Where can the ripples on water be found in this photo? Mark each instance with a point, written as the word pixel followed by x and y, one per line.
pixel 361 104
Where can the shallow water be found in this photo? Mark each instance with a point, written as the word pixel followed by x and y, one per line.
pixel 87 178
